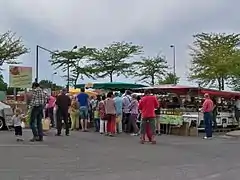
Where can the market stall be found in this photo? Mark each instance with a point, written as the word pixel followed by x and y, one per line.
pixel 180 107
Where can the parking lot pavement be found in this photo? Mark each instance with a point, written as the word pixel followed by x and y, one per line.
pixel 92 156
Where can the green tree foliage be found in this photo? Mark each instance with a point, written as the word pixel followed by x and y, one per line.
pixel 150 68
pixel 3 85
pixel 10 48
pixel 169 78
pixel 8 90
pixel 75 59
pixel 112 60
pixel 214 58
pixel 49 84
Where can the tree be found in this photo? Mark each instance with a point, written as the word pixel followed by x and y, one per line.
pixel 150 68
pixel 213 58
pixel 10 48
pixel 169 78
pixel 49 84
pixel 112 60
pixel 61 60
pixel 3 85
pixel 8 90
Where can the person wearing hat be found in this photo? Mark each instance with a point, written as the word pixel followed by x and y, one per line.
pixel 207 109
pixel 63 102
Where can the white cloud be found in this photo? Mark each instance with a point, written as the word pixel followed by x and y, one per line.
pixel 109 19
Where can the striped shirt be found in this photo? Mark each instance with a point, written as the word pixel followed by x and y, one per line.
pixel 39 98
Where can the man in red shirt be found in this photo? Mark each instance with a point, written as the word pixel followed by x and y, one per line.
pixel 147 106
pixel 207 108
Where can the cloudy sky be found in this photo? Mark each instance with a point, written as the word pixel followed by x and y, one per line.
pixel 154 24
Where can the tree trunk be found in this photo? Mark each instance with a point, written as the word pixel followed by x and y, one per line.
pixel 111 77
pixel 222 79
pixel 219 84
pixel 152 80
pixel 75 80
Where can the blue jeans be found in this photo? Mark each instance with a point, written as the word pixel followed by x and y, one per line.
pixel 97 124
pixel 208 123
pixel 36 121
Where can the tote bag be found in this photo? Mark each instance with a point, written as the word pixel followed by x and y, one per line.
pixel 46 124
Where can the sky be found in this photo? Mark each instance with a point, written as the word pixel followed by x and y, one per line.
pixel 153 24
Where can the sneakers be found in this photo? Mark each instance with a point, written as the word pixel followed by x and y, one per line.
pixel 20 139
pixel 134 134
pixel 205 137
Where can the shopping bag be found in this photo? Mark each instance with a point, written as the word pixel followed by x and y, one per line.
pixel 23 125
pixel 46 124
pixel 118 119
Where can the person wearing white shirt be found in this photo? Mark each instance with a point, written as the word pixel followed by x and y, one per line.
pixel 17 123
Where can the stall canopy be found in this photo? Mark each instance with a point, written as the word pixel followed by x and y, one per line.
pixel 110 85
pixel 182 90
pixel 169 88
pixel 225 94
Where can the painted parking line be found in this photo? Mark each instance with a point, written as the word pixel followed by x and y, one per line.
pixel 23 145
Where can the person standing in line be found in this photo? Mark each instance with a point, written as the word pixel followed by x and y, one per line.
pixel 102 114
pixel 207 109
pixel 96 116
pixel 110 111
pixel 49 109
pixel 147 106
pixel 214 113
pixel 38 102
pixel 74 114
pixel 90 108
pixel 63 102
pixel 119 111
pixel 237 109
pixel 83 100
pixel 126 114
pixel 158 119
pixel 133 115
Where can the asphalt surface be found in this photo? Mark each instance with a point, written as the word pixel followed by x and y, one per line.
pixel 91 156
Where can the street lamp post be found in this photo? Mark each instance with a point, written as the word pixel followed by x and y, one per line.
pixel 51 52
pixel 37 59
pixel 52 85
pixel 174 62
pixel 68 71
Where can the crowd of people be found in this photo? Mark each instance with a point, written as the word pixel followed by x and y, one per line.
pixel 110 114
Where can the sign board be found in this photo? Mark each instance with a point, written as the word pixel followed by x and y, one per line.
pixel 20 77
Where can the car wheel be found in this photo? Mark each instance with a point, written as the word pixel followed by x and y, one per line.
pixel 2 124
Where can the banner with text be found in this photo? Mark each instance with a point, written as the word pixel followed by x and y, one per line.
pixel 20 77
